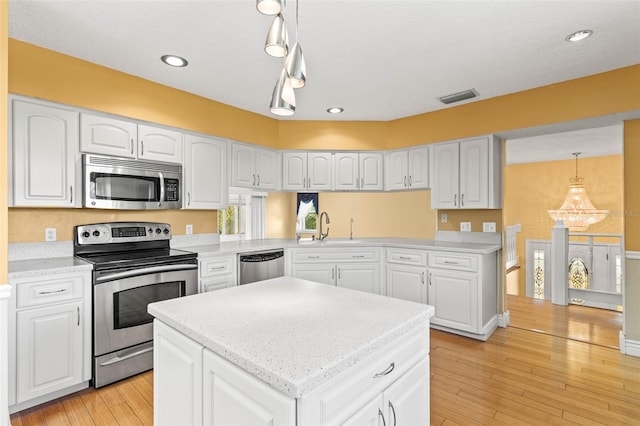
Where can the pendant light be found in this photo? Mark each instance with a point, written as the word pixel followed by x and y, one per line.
pixel 295 65
pixel 277 38
pixel 283 99
pixel 269 7
pixel 577 212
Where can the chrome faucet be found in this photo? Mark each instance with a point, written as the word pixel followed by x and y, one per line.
pixel 324 235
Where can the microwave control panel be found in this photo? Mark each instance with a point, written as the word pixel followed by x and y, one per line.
pixel 171 190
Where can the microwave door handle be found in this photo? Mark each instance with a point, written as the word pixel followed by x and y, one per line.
pixel 161 189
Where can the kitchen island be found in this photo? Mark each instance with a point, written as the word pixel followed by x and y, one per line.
pixel 288 351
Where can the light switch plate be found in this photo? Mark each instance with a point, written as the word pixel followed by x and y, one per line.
pixel 488 227
pixel 444 217
pixel 465 226
pixel 189 230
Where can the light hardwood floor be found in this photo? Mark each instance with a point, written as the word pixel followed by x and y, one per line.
pixel 598 326
pixel 517 377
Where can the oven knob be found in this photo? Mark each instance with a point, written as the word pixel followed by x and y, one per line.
pixel 151 230
pixel 158 230
pixel 166 231
pixel 86 234
pixel 96 233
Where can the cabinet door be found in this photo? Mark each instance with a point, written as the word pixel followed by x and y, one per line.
pixel 49 349
pixel 418 168
pixel 320 171
pixel 371 174
pixel 108 136
pixel 177 378
pixel 359 276
pixel 318 272
pixel 346 172
pixel 243 165
pixel 267 169
pixel 205 172
pixel 44 154
pixel 474 174
pixel 454 295
pixel 406 402
pixel 294 171
pixel 444 190
pixel 156 143
pixel 232 396
pixel 217 283
pixel 369 415
pixel 396 171
pixel 407 282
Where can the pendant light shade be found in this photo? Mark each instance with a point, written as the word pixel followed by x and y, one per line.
pixel 576 211
pixel 296 68
pixel 269 7
pixel 283 99
pixel 277 38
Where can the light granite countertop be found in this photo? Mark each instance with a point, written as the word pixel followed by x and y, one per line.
pixel 46 266
pixel 271 244
pixel 291 333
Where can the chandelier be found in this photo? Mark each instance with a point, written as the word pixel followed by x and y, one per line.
pixel 294 71
pixel 577 212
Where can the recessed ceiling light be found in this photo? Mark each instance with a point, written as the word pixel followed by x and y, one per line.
pixel 174 61
pixel 579 35
pixel 335 110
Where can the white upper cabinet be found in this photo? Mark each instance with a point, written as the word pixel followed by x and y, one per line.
pixel 43 156
pixel 407 169
pixel 358 171
pixel 254 167
pixel 159 144
pixel 205 173
pixel 122 138
pixel 302 171
pixel 466 174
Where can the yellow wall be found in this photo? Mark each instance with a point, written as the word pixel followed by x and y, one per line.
pixel 335 135
pixel 533 188
pixel 3 139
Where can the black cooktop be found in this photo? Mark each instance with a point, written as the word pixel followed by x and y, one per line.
pixel 138 258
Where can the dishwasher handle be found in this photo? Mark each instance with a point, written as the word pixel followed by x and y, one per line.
pixel 261 257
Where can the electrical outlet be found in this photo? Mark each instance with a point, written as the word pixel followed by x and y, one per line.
pixel 50 234
pixel 488 227
pixel 444 218
pixel 465 226
pixel 189 229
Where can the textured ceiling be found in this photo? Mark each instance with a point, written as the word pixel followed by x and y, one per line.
pixel 380 60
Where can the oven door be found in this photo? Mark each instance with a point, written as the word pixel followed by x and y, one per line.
pixel 121 298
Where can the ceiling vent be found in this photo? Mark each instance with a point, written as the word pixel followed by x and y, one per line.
pixel 457 97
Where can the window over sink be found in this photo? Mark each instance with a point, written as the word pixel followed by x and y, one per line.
pixel 243 219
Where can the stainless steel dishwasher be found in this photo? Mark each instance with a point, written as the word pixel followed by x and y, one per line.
pixel 260 265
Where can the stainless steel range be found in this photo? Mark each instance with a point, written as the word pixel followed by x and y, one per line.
pixel 133 266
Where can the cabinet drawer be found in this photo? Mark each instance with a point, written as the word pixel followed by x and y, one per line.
pixel 336 255
pixel 333 401
pixel 217 266
pixel 459 262
pixel 407 257
pixel 36 291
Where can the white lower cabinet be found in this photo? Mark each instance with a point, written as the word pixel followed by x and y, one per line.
pixel 463 291
pixel 194 385
pixel 356 269
pixel 49 337
pixel 406 274
pixel 217 272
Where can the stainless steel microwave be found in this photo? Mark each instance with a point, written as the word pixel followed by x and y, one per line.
pixel 120 183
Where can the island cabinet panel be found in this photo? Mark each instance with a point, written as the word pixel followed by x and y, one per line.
pixel 231 396
pixel 177 382
pixel 347 398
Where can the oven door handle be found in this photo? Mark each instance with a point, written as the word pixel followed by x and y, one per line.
pixel 144 271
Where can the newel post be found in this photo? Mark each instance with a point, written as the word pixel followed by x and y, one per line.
pixel 559 262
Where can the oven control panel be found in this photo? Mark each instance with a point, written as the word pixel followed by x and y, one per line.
pixel 122 232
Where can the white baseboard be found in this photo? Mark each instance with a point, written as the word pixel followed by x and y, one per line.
pixel 629 347
pixel 503 319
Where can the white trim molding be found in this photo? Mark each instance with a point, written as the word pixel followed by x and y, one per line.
pixel 629 347
pixel 635 255
pixel 5 294
pixel 504 319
